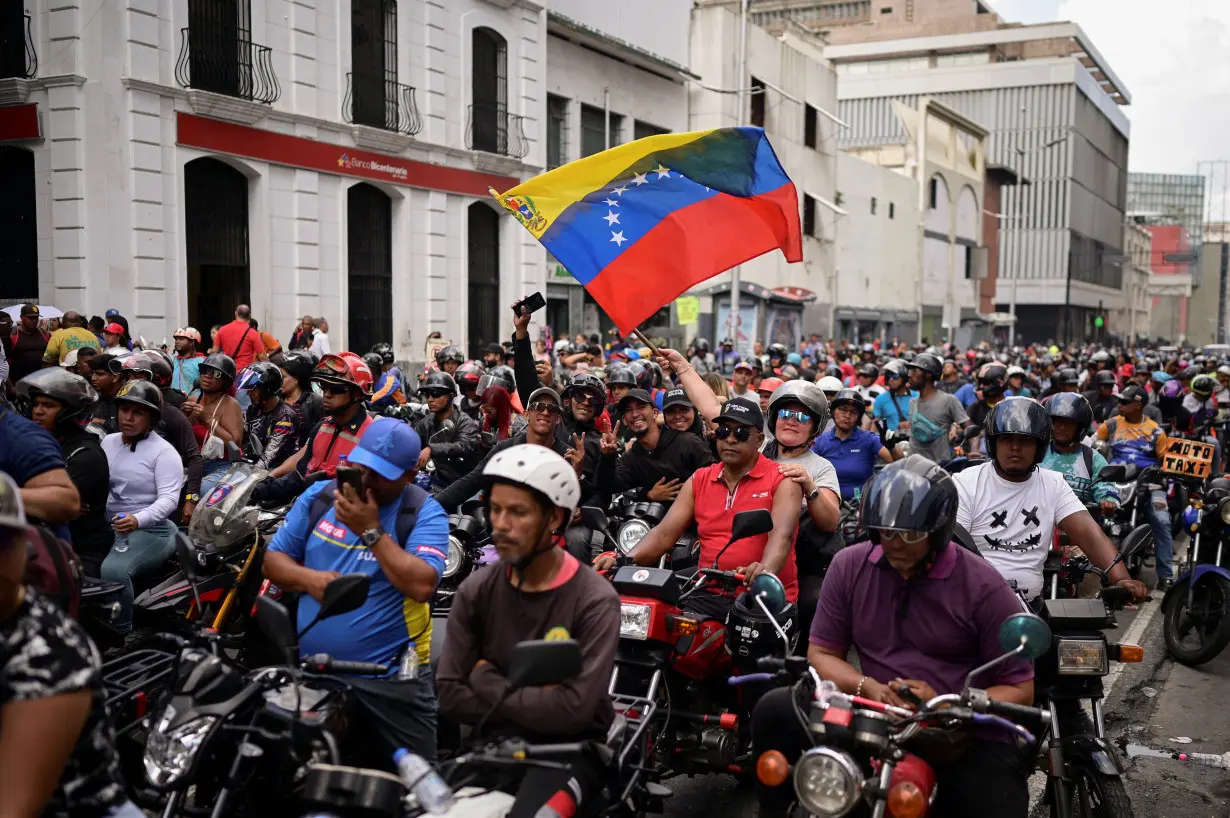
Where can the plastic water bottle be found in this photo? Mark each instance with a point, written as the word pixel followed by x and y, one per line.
pixel 424 782
pixel 121 540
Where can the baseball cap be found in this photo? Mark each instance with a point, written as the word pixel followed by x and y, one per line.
pixel 635 395
pixel 745 365
pixel 114 329
pixel 29 309
pixel 111 313
pixel 676 397
pixel 742 411
pixel 389 447
pixel 547 392
pixel 12 511
pixel 1132 394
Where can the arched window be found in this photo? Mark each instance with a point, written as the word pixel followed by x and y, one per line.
pixel 489 92
pixel 18 226
pixel 216 235
pixel 369 255
pixel 484 277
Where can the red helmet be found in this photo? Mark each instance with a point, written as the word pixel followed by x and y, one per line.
pixel 344 368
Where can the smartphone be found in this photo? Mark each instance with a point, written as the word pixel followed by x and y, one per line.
pixel 533 303
pixel 350 476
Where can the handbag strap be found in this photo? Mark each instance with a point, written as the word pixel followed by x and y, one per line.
pixel 241 340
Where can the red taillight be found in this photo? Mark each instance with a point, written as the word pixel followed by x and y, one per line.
pixel 140 704
pixel 909 792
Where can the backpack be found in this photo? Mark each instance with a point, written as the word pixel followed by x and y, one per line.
pixel 412 500
pixel 53 570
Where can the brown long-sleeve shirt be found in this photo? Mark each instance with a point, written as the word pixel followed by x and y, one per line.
pixel 489 616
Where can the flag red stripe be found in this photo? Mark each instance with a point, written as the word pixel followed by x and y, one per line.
pixel 693 244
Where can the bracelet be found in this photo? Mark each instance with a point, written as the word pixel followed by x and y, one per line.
pixel 858 691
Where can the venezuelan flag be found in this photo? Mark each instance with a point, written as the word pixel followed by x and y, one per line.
pixel 641 223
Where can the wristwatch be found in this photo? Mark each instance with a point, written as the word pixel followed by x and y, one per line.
pixel 192 498
pixel 370 536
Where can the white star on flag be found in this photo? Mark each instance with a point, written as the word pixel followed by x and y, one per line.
pixel 640 179
pixel 611 218
pixel 619 191
pixel 661 171
pixel 618 238
pixel 611 203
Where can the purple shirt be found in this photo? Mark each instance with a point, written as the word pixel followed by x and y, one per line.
pixel 935 628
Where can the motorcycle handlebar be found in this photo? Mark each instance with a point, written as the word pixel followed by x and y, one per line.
pixel 1017 712
pixel 323 663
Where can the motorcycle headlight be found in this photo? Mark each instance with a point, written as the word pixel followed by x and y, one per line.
pixel 630 533
pixel 827 782
pixel 634 620
pixel 1224 511
pixel 456 554
pixel 169 753
pixel 1083 657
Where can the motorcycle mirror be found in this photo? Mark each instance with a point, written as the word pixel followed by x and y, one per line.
pixel 769 589
pixel 541 662
pixel 342 595
pixel 746 524
pixel 593 517
pixel 274 621
pixel 185 552
pixel 1113 474
pixel 972 431
pixel 1027 631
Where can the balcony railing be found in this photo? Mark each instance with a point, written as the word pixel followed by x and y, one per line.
pixel 226 65
pixel 378 102
pixel 492 129
pixel 17 56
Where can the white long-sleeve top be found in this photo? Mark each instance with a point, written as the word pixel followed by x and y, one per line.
pixel 144 483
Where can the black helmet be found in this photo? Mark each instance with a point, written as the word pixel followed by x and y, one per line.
pixel 1019 416
pixel 992 376
pixel 1071 406
pixel 1103 377
pixel 144 394
pixel 468 375
pixel 107 362
pixel 620 375
pixel 913 494
pixel 1217 490
pixel 701 345
pixel 163 369
pixel 931 364
pixel 224 365
pixel 750 635
pixel 777 351
pixel 138 362
pixel 1067 377
pixel 1203 386
pixel 848 397
pixel 452 352
pixel 643 374
pixel 587 381
pixel 299 363
pixel 72 391
pixel 833 370
pixel 498 376
pixel 1190 372
pixel 374 362
pixel 438 383
pixel 867 371
pixel 385 351
pixel 263 375
pixel 808 394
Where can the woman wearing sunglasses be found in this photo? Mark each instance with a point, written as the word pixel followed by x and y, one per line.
pixel 216 417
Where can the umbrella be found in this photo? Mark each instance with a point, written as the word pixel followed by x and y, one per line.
pixel 43 311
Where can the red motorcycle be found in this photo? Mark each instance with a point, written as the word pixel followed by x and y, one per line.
pixel 680 708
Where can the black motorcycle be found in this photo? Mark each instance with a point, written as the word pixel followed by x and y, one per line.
pixel 1196 608
pixel 230 743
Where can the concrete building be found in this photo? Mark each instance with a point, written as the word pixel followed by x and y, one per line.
pixel 172 158
pixel 1171 285
pixel 878 259
pixel 1132 318
pixel 610 79
pixel 793 93
pixel 1051 105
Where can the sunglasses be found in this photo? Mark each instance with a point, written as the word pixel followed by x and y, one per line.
pixel 907 537
pixel 545 407
pixel 334 389
pixel 436 393
pixel 793 414
pixel 740 434
pixel 211 372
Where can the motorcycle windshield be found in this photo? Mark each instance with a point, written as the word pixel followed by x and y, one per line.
pixel 226 516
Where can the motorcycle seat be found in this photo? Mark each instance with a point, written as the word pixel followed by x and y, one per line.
pixel 93 587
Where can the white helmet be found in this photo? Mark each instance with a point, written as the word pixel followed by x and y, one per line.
pixel 1015 370
pixel 538 468
pixel 1223 370
pixel 829 384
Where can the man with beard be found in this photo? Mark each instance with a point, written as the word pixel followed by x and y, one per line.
pixel 660 460
pixel 187 359
pixel 453 451
pixel 741 381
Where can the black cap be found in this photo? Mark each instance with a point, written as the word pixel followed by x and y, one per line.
pixel 29 309
pixel 637 395
pixel 494 349
pixel 1132 394
pixel 742 411
pixel 677 397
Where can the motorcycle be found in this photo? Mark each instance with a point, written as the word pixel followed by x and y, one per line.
pixel 670 659
pixel 229 743
pixel 639 517
pixel 1196 608
pixel 469 547
pixel 859 760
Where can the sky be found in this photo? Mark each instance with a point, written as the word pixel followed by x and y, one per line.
pixel 1174 58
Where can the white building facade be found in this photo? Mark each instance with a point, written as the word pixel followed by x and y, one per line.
pixel 327 157
pixel 792 94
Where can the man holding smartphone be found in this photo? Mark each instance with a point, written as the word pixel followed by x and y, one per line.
pixel 397 534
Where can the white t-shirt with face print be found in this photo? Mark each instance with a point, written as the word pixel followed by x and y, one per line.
pixel 1013 524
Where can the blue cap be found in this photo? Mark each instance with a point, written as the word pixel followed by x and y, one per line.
pixel 111 313
pixel 388 447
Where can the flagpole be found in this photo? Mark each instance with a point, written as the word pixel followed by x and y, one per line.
pixel 732 320
pixel 645 340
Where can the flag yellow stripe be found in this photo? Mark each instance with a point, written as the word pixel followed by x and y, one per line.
pixel 553 192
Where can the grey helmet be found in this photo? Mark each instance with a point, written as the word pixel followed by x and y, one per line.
pixel 799 391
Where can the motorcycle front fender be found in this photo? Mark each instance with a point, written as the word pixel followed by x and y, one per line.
pixel 1087 752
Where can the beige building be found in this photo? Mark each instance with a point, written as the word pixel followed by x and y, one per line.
pixel 1132 318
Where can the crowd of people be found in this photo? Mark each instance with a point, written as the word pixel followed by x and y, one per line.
pixel 112 443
